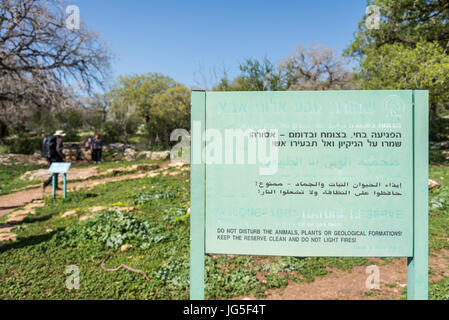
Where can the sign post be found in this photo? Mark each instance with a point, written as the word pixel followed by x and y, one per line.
pixel 55 169
pixel 331 173
pixel 417 267
pixel 197 202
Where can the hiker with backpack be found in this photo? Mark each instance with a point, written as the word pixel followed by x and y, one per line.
pixel 52 147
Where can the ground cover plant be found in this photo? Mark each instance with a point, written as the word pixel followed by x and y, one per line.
pixel 145 225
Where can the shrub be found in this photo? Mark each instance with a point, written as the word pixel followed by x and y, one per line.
pixel 112 132
pixel 110 229
pixel 24 145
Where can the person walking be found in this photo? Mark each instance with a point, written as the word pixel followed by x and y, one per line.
pixel 52 150
pixel 88 149
pixel 97 148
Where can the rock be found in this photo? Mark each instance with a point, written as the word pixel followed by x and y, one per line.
pixel 97 209
pixel 146 167
pixel 8 236
pixel 163 155
pixel 41 174
pixel 114 147
pixel 137 167
pixel 175 164
pixel 9 159
pixel 70 213
pixel 434 184
pixel 34 205
pixel 125 247
pixel 76 173
pixel 87 217
pixel 120 147
pixel 130 154
pixel 439 145
pixel 144 155
pixel 446 154
pixel 6 229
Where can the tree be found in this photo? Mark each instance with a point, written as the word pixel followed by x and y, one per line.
pixel 255 76
pixel 403 21
pixel 172 112
pixel 123 116
pixel 312 68
pixel 95 111
pixel 408 50
pixel 315 68
pixel 159 100
pixel 41 58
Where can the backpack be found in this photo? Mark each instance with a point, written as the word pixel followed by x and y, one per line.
pixel 49 147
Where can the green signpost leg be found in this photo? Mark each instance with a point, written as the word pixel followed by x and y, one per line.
pixel 417 271
pixel 65 184
pixel 197 203
pixel 53 180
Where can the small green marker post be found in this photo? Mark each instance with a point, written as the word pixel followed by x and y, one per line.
pixel 53 182
pixel 57 168
pixel 65 185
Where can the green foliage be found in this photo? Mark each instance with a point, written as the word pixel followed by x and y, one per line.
pixel 70 121
pixel 10 177
pixel 110 230
pixel 147 197
pixel 34 266
pixel 407 51
pixel 440 200
pixel 174 273
pixel 311 68
pixel 178 215
pixel 439 290
pixel 112 132
pixel 161 102
pixel 403 21
pixel 439 209
pixel 437 157
pixel 24 145
pixel 397 66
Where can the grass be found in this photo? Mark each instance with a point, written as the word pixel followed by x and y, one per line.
pixel 34 267
pixel 4 149
pixel 10 177
pixel 439 218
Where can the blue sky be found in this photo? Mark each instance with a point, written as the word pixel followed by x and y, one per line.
pixel 176 37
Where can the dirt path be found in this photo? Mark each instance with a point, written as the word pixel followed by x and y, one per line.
pixel 18 199
pixel 351 285
pixel 12 201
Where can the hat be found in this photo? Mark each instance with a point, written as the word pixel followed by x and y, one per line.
pixel 59 133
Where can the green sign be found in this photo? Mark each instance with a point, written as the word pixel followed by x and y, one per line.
pixel 335 173
pixel 59 167
pixel 55 169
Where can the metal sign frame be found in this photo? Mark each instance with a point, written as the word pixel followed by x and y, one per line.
pixel 56 168
pixel 417 269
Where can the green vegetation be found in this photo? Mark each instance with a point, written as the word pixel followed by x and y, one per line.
pixel 156 232
pixel 408 50
pixel 10 177
pixel 24 145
